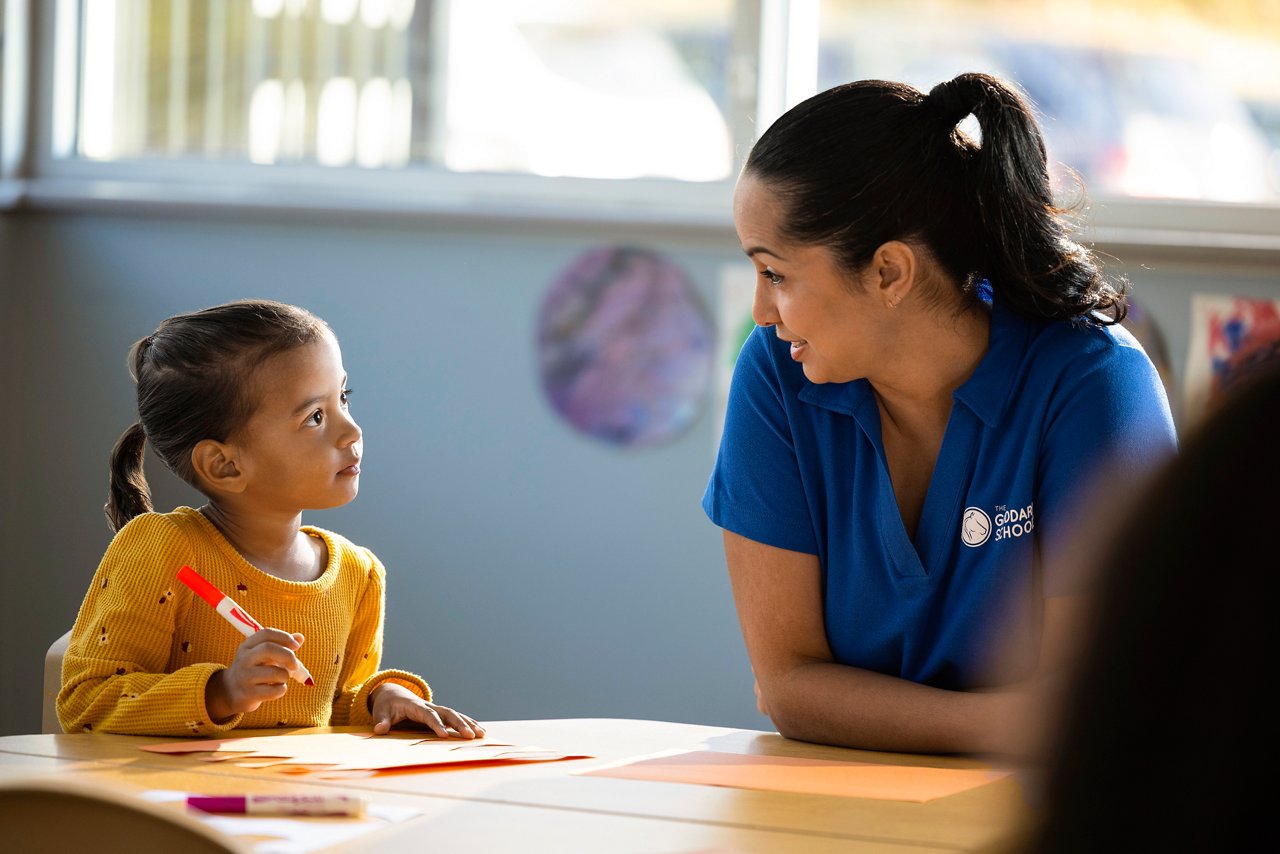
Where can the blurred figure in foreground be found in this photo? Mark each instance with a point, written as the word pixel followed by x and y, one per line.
pixel 1165 709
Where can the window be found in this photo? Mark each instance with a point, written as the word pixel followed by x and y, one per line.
pixel 1143 98
pixel 548 87
pixel 639 111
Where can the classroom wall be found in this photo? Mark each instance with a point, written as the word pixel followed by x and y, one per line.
pixel 533 572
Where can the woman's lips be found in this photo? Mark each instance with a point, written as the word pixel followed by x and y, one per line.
pixel 797 349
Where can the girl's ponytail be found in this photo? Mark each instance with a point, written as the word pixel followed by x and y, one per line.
pixel 1024 245
pixel 128 495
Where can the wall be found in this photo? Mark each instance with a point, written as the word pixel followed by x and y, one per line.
pixel 533 573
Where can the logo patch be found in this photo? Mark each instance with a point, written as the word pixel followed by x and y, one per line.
pixel 975 528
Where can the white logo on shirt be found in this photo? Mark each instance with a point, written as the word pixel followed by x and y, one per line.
pixel 975 528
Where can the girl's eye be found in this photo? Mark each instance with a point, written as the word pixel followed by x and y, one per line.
pixel 346 395
pixel 316 418
pixel 773 278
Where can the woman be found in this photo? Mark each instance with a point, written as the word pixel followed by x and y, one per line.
pixel 936 372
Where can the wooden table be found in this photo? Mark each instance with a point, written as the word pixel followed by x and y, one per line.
pixel 546 807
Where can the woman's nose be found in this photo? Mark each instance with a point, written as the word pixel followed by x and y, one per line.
pixel 763 311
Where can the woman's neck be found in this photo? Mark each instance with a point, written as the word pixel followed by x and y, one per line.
pixel 274 544
pixel 939 350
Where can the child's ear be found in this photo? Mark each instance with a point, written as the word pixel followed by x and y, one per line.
pixel 215 464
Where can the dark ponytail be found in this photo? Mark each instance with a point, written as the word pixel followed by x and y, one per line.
pixel 193 375
pixel 1027 247
pixel 873 161
pixel 128 494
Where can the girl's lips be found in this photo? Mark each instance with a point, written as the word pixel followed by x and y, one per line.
pixel 351 470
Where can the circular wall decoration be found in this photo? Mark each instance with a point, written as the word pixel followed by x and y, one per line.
pixel 625 347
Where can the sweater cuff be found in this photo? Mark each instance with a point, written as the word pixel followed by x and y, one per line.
pixel 361 706
pixel 207 725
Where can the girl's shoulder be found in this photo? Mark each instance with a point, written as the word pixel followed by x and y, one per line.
pixel 149 549
pixel 159 529
pixel 350 557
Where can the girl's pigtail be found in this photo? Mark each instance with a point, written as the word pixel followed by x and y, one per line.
pixel 128 495
pixel 1027 251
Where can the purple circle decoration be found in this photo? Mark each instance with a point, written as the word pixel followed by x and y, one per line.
pixel 625 347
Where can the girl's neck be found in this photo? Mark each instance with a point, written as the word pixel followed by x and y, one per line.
pixel 276 545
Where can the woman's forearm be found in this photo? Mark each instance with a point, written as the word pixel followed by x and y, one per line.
pixel 832 703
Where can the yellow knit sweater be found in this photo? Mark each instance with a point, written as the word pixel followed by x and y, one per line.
pixel 144 645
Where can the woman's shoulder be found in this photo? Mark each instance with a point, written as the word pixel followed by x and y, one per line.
pixel 1076 346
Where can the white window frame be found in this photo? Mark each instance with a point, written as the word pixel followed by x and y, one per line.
pixel 774 46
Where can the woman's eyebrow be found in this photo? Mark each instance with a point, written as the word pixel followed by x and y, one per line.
pixel 756 250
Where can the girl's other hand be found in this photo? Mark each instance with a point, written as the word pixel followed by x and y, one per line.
pixel 259 672
pixel 393 703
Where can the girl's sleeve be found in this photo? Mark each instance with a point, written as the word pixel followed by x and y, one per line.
pixel 1109 426
pixel 360 673
pixel 113 675
pixel 756 489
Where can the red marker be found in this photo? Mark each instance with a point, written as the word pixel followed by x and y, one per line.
pixel 232 613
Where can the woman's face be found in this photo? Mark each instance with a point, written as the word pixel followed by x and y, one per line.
pixel 830 318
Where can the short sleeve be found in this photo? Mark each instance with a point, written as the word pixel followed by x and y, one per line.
pixel 756 489
pixel 1108 425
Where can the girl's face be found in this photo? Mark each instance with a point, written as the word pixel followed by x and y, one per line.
pixel 830 320
pixel 301 449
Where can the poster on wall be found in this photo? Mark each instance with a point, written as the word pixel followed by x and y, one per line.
pixel 625 347
pixel 1229 337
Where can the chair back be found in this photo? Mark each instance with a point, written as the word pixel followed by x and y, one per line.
pixel 53 684
pixel 48 815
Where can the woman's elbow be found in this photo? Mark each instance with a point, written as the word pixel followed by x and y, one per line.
pixel 787 716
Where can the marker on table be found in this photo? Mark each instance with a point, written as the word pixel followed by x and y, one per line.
pixel 280 804
pixel 232 613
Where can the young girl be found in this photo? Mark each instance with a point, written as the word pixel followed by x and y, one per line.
pixel 248 403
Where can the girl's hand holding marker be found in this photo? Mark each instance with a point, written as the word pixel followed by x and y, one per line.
pixel 254 676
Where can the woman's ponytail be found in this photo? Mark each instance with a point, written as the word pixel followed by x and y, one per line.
pixel 128 495
pixel 1024 245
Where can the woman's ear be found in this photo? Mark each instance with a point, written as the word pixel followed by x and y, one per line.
pixel 216 465
pixel 893 272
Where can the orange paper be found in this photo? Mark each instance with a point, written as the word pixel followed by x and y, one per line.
pixel 345 754
pixel 917 784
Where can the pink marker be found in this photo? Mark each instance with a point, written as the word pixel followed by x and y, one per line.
pixel 280 804
pixel 232 613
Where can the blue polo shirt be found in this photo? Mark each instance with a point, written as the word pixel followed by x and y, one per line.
pixel 801 467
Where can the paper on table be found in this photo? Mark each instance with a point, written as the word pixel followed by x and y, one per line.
pixel 348 754
pixel 293 834
pixel 810 776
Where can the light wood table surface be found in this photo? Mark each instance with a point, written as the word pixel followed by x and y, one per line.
pixel 546 806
